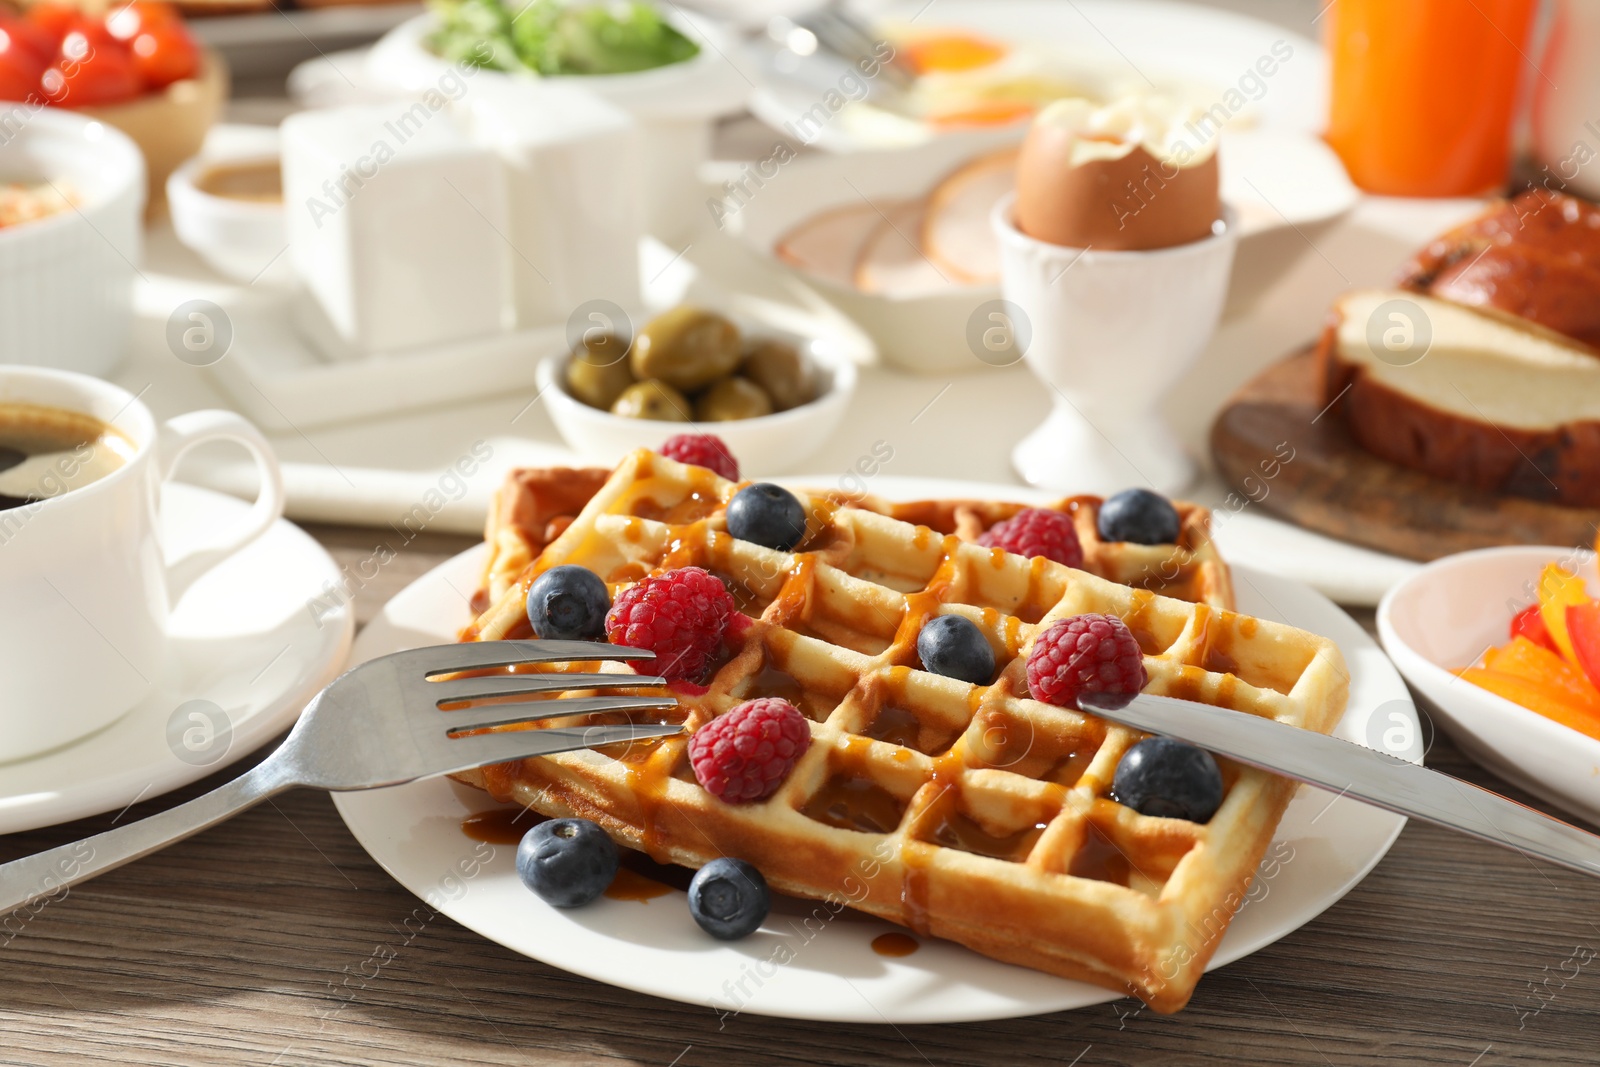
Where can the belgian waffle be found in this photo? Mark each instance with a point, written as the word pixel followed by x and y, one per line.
pixel 971 813
pixel 535 505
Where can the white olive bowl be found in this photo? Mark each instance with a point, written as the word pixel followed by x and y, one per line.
pixel 765 445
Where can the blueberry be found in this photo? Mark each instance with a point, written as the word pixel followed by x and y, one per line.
pixel 1139 516
pixel 952 645
pixel 729 899
pixel 1168 778
pixel 568 603
pixel 767 515
pixel 567 862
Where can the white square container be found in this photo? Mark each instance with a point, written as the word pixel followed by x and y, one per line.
pixel 572 179
pixel 397 223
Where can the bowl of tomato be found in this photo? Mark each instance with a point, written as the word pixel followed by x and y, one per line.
pixel 136 67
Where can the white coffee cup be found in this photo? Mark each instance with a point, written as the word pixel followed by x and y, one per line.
pixel 85 588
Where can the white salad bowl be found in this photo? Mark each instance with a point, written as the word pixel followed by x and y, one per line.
pixel 66 281
pixel 1444 618
pixel 674 106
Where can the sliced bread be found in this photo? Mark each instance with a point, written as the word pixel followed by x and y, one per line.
pixel 1490 401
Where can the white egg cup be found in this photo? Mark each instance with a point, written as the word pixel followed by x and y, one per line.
pixel 1110 333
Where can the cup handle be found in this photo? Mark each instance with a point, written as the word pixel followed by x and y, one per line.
pixel 181 434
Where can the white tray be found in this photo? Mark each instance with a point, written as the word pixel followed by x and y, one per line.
pixel 283 382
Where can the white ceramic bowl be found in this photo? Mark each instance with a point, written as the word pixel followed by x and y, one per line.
pixel 770 444
pixel 1447 615
pixel 66 282
pixel 243 240
pixel 674 106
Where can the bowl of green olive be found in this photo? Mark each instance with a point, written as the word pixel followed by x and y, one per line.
pixel 774 398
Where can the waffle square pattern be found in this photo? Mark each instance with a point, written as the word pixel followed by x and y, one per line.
pixel 972 813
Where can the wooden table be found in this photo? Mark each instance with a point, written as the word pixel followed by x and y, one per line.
pixel 234 946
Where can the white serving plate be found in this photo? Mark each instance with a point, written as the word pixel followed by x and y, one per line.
pixel 1123 45
pixel 1446 616
pixel 1326 846
pixel 1272 180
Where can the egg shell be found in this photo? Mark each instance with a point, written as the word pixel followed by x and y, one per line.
pixel 1131 202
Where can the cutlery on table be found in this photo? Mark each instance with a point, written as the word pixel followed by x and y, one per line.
pixel 382 724
pixel 1349 769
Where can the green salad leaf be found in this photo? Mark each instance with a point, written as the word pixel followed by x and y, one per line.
pixel 557 37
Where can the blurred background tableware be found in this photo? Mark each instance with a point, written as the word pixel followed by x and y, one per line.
pixel 1423 92
pixel 66 279
pixel 675 84
pixel 229 209
pixel 87 588
pixel 985 65
pixel 133 65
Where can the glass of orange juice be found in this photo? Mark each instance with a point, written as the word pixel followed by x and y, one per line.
pixel 1423 92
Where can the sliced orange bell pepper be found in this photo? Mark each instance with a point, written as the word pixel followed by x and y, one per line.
pixel 1545 700
pixel 1526 660
pixel 1558 590
pixel 1583 630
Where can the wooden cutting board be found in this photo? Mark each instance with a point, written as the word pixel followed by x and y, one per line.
pixel 1276 447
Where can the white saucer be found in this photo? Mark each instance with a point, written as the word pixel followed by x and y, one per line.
pixel 248 651
pixel 1324 847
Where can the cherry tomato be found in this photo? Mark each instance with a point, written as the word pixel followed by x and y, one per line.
pixel 26 35
pixel 20 66
pixel 54 19
pixel 164 53
pixel 127 20
pixel 92 68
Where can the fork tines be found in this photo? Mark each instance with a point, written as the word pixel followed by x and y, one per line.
pixel 543 688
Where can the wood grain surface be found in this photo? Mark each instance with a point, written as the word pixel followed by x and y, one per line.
pixel 248 944
pixel 1331 484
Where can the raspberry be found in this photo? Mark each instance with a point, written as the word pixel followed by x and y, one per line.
pixel 1037 532
pixel 702 450
pixel 746 753
pixel 1085 654
pixel 681 616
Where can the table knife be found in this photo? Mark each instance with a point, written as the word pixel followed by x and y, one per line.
pixel 1351 770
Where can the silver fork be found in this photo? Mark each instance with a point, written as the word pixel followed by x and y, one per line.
pixel 852 39
pixel 377 725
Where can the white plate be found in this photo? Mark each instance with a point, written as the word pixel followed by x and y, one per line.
pixel 414 833
pixel 1126 43
pixel 1448 615
pixel 245 640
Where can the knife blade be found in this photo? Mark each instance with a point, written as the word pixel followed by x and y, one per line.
pixel 1349 769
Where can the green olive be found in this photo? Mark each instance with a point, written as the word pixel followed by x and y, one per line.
pixel 687 348
pixel 730 399
pixel 780 370
pixel 598 371
pixel 652 399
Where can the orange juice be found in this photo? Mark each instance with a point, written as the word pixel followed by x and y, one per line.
pixel 1423 92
